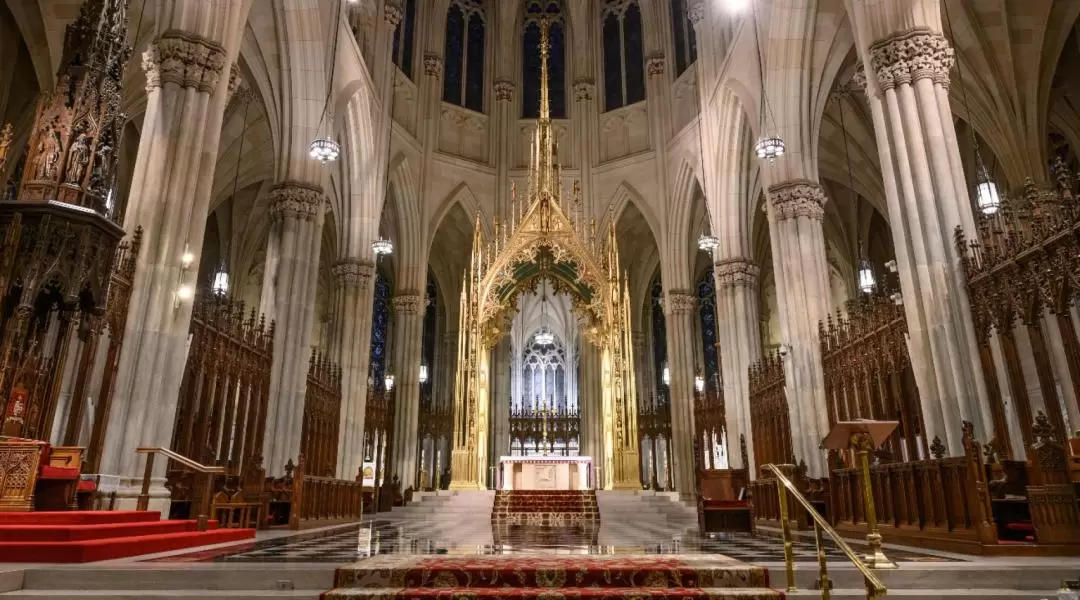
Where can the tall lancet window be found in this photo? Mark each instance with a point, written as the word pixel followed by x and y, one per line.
pixel 463 65
pixel 380 328
pixel 404 38
pixel 624 54
pixel 535 10
pixel 685 39
pixel 659 328
pixel 706 288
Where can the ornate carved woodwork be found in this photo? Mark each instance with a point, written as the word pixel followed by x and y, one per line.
pixel 528 426
pixel 322 416
pixel 769 420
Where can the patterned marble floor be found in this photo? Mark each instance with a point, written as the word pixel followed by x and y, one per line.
pixel 387 537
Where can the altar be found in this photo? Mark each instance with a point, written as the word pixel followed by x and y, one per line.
pixel 545 472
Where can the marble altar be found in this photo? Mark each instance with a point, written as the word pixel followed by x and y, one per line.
pixel 545 472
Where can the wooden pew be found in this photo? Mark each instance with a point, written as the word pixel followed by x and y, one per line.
pixel 721 502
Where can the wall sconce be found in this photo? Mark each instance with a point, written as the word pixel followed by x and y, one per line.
pixel 699 383
pixel 891 266
pixel 897 298
pixel 666 375
pixel 389 382
pixel 423 374
pixel 184 291
pixel 784 350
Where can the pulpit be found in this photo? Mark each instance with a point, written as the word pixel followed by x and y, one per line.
pixel 545 472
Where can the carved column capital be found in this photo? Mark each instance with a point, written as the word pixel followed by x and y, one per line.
pixel 800 198
pixel 680 302
pixel 186 59
pixel 406 304
pixel 654 64
pixel 504 90
pixel 394 12
pixel 350 272
pixel 236 81
pixel 736 272
pixel 695 11
pixel 433 65
pixel 910 56
pixel 296 200
pixel 584 89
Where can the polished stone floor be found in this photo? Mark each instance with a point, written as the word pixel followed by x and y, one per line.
pixel 349 544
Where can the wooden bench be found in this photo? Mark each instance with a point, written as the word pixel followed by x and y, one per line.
pixel 722 506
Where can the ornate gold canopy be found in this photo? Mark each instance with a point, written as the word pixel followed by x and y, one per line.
pixel 543 238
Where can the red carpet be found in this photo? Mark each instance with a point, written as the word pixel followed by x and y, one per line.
pixel 602 577
pixel 77 537
pixel 545 507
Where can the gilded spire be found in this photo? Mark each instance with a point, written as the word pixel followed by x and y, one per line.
pixel 544 171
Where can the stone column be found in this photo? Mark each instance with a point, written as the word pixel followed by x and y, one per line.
pixel 291 277
pixel 680 311
pixel 927 199
pixel 354 279
pixel 796 210
pixel 408 326
pixel 169 199
pixel 500 402
pixel 737 322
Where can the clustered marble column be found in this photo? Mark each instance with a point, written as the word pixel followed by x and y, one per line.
pixel 738 336
pixel 927 199
pixel 680 314
pixel 353 298
pixel 169 200
pixel 297 211
pixel 408 327
pixel 796 210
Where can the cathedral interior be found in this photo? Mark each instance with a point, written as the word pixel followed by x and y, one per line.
pixel 565 298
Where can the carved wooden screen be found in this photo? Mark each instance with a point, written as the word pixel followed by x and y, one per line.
pixel 322 417
pixel 709 423
pixel 769 420
pixel 221 411
pixel 868 372
pixel 1023 270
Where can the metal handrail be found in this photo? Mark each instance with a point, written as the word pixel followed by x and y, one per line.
pixel 202 521
pixel 874 588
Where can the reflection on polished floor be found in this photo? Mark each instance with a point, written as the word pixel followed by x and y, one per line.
pixel 379 537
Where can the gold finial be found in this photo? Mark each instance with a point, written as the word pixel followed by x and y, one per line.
pixel 545 50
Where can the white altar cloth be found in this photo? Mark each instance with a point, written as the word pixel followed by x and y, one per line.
pixel 545 472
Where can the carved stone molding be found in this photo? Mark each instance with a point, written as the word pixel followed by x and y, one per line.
pixel 695 11
pixel 504 91
pixel 736 272
pixel 353 272
pixel 292 199
pixel 395 11
pixel 406 304
pixel 433 65
pixel 185 59
pixel 800 198
pixel 908 57
pixel 680 302
pixel 654 65
pixel 637 339
pixel 236 80
pixel 584 89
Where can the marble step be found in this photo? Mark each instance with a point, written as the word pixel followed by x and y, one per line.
pixel 937 576
pixel 237 577
pixel 163 594
pixel 945 594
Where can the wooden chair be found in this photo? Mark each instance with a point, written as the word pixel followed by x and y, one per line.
pixel 35 475
pixel 722 505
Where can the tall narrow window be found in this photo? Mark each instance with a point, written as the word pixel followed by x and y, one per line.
pixel 380 328
pixel 685 40
pixel 404 36
pixel 427 344
pixel 535 10
pixel 624 54
pixel 463 76
pixel 659 329
pixel 707 312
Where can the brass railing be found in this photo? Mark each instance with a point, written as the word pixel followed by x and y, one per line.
pixel 875 590
pixel 143 503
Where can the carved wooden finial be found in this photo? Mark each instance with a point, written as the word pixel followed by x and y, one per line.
pixel 937 448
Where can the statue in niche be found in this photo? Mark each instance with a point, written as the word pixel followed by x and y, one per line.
pixel 78 158
pixel 48 154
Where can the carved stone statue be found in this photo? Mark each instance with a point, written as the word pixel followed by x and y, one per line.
pixel 48 154
pixel 78 158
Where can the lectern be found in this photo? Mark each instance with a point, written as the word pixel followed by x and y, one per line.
pixel 862 436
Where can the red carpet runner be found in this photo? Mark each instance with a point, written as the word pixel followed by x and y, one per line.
pixel 78 537
pixel 549 508
pixel 626 577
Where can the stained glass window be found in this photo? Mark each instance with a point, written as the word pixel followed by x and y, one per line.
pixel 463 71
pixel 624 54
pixel 404 38
pixel 659 329
pixel 706 288
pixel 380 328
pixel 685 39
pixel 427 349
pixel 535 10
